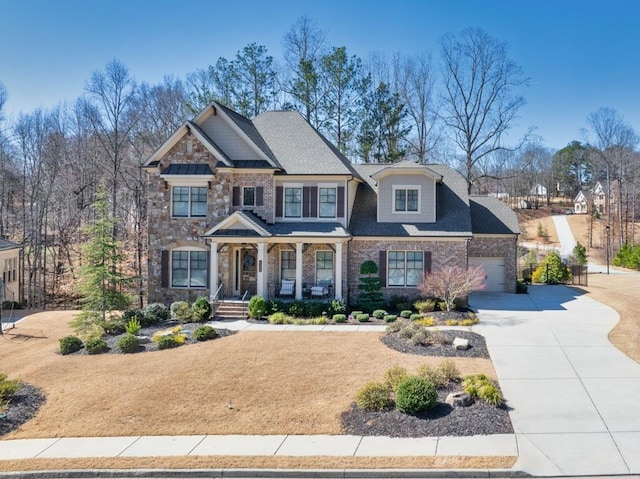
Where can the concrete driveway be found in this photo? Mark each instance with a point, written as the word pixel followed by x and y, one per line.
pixel 575 398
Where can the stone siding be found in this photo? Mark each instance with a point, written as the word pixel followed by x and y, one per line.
pixel 497 247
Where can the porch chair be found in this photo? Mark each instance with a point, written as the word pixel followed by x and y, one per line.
pixel 321 290
pixel 287 287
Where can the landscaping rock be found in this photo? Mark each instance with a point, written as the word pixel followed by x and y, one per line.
pixel 459 399
pixel 460 343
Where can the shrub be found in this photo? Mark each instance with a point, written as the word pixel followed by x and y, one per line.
pixel 363 318
pixel 395 376
pixel 8 387
pixel 406 313
pixel 340 318
pixel 415 394
pixel 551 270
pixel 204 333
pixel 355 313
pixel 443 306
pixel 70 344
pixel 433 375
pixel 96 346
pixel 521 288
pixel 400 302
pixel 451 322
pixel 390 318
pixel 315 308
pixel 167 342
pixel 257 307
pixel 415 316
pixel 373 396
pixel 421 337
pixel 280 318
pixel 181 311
pixel 113 327
pixel 297 309
pixel 408 329
pixel 450 370
pixel 133 327
pixel 129 344
pixel 320 320
pixel 370 296
pixel 156 312
pixel 137 314
pixel 427 322
pixel 201 309
pixel 469 322
pixel 396 326
pixel 627 257
pixel 379 313
pixel 480 386
pixel 337 306
pixel 425 305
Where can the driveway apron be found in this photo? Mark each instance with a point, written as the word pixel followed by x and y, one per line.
pixel 573 395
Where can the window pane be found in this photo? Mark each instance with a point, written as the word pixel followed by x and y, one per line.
pixel 324 266
pixel 198 269
pixel 415 268
pixel 249 196
pixel 327 202
pixel 179 268
pixel 395 268
pixel 180 201
pixel 293 202
pixel 199 201
pixel 412 200
pixel 288 265
pixel 401 200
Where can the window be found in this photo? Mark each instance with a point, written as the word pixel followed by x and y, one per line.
pixel 188 269
pixel 327 202
pixel 287 265
pixel 293 202
pixel 248 196
pixel 406 199
pixel 9 274
pixel 189 201
pixel 405 268
pixel 324 267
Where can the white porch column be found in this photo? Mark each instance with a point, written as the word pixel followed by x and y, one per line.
pixel 262 269
pixel 338 288
pixel 299 270
pixel 213 269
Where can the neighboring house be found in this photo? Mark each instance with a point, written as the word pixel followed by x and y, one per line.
pixel 10 261
pixel 599 195
pixel 539 191
pixel 581 203
pixel 240 205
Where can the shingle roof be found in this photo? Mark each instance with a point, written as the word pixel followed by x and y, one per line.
pixel 452 207
pixel 489 215
pixel 299 148
pixel 6 244
pixel 187 169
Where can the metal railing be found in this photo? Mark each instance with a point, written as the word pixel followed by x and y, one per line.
pixel 216 299
pixel 244 303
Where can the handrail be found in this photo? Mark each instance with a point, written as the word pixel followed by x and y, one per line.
pixel 215 302
pixel 244 305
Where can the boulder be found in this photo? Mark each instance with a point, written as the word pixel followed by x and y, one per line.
pixel 459 399
pixel 459 343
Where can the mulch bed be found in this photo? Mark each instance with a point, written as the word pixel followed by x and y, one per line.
pixel 477 345
pixel 478 419
pixel 22 407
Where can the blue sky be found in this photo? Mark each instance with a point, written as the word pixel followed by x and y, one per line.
pixel 580 55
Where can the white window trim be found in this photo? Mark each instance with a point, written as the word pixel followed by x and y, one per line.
pixel 333 186
pixel 333 264
pixel 189 249
pixel 406 187
pixel 189 216
pixel 404 285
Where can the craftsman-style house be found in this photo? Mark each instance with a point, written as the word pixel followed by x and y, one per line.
pixel 269 206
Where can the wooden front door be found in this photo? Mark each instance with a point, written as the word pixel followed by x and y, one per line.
pixel 248 271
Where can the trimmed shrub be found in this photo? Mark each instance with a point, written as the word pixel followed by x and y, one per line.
pixel 297 309
pixel 421 337
pixel 257 307
pixel 551 270
pixel 340 318
pixel 415 317
pixel 395 376
pixel 425 305
pixel 167 342
pixel 129 344
pixel 373 396
pixel 137 314
pixel 379 313
pixel 133 327
pixel 113 327
pixel 204 333
pixel 201 309
pixel 521 288
pixel 280 318
pixel 480 386
pixel 406 313
pixel 156 312
pixel 8 388
pixel 415 394
pixel 337 306
pixel 96 346
pixel 315 308
pixel 70 344
pixel 363 318
pixel 355 313
pixel 181 311
pixel 390 318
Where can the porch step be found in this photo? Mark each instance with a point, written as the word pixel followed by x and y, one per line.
pixel 231 310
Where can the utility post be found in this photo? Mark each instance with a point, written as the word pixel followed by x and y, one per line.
pixel 1 302
pixel 608 228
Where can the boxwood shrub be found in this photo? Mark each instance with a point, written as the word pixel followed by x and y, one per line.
pixel 167 342
pixel 415 394
pixel 363 318
pixel 204 333
pixel 129 344
pixel 379 313
pixel 96 346
pixel 340 318
pixel 70 344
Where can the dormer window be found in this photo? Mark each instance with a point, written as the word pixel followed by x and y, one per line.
pixel 406 199
pixel 189 201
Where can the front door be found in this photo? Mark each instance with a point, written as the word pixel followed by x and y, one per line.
pixel 247 271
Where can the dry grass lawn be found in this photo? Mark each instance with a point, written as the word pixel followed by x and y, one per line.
pixel 278 382
pixel 529 221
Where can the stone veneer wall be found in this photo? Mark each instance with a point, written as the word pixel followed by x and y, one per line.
pixel 498 246
pixel 442 252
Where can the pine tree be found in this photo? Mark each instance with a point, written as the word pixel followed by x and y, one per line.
pixel 370 297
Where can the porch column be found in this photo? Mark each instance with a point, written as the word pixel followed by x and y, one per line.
pixel 213 269
pixel 338 288
pixel 262 269
pixel 299 270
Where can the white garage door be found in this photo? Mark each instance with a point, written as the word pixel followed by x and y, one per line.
pixel 495 271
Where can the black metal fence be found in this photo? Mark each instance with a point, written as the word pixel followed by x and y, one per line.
pixel 579 273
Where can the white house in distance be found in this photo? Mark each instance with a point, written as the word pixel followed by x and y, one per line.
pixel 9 261
pixel 581 203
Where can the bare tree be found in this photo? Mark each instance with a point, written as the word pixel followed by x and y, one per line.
pixel 452 282
pixel 480 103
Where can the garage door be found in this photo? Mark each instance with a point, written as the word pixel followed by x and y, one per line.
pixel 495 271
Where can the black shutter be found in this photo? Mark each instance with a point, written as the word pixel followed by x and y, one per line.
pixel 208 266
pixel 164 268
pixel 314 202
pixel 236 196
pixel 427 262
pixel 306 193
pixel 259 195
pixel 340 201
pixel 382 268
pixel 279 193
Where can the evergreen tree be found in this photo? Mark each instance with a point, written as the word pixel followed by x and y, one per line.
pixel 100 284
pixel 370 297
